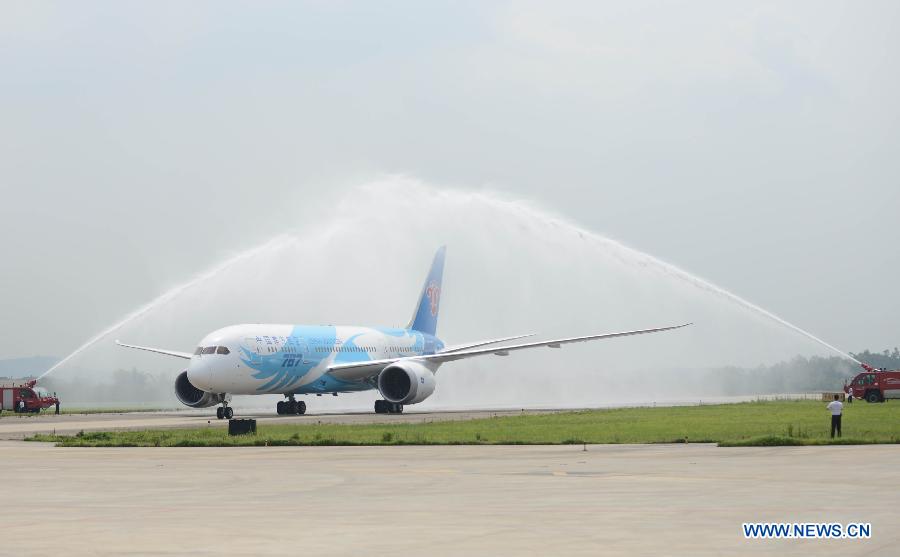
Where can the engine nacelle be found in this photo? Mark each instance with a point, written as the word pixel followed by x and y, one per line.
pixel 406 383
pixel 189 395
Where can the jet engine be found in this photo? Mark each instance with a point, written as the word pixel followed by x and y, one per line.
pixel 406 383
pixel 189 395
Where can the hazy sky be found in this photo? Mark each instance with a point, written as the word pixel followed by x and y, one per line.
pixel 753 143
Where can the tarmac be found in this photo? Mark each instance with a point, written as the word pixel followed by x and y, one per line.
pixel 449 500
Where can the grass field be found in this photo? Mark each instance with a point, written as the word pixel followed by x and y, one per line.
pixel 745 424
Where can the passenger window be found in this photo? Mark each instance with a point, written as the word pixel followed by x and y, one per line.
pixel 223 350
pixel 209 350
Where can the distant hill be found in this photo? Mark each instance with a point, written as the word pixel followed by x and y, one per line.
pixel 25 367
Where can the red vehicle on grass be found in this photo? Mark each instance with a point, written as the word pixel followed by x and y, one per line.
pixel 26 398
pixel 874 385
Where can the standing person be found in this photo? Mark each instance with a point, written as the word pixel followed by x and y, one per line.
pixel 836 410
pixel 57 406
pixel 849 396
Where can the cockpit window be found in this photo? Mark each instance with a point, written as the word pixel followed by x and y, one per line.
pixel 198 350
pixel 223 350
pixel 209 350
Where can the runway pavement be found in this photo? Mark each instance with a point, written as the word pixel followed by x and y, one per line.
pixel 437 501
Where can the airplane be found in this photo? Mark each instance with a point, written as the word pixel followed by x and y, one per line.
pixel 291 360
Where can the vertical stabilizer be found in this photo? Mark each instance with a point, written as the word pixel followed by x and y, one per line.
pixel 425 317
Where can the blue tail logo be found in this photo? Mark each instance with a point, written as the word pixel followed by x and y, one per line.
pixel 425 317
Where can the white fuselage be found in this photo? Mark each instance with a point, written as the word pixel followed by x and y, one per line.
pixel 294 359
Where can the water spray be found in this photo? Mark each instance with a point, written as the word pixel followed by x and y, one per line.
pixel 734 298
pixel 407 190
pixel 274 243
pixel 666 268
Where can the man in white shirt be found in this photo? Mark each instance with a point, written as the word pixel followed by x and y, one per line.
pixel 836 410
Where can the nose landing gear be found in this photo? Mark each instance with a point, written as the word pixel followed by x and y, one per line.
pixel 290 406
pixel 224 411
pixel 385 407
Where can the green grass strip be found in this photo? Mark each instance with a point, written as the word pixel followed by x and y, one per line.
pixel 745 424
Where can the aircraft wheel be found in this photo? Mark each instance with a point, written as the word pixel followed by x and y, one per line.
pixel 280 407
pixel 220 412
pixel 291 407
pixel 301 407
pixel 396 408
pixel 380 407
pixel 229 412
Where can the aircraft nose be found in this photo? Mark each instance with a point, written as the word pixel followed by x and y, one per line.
pixel 199 374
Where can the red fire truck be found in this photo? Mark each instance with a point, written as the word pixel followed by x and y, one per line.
pixel 26 397
pixel 874 385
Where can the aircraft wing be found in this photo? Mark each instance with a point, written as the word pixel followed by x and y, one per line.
pixel 362 370
pixel 184 355
pixel 358 371
pixel 556 343
pixel 469 345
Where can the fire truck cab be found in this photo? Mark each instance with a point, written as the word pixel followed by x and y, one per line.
pixel 25 398
pixel 874 385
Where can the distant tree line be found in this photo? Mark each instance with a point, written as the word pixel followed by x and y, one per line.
pixel 122 386
pixel 888 359
pixel 798 375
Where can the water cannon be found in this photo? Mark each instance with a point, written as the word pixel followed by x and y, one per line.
pixel 31 384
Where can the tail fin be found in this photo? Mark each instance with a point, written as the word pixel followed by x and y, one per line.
pixel 425 317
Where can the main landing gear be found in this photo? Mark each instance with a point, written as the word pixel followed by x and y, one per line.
pixel 291 406
pixel 385 407
pixel 224 411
